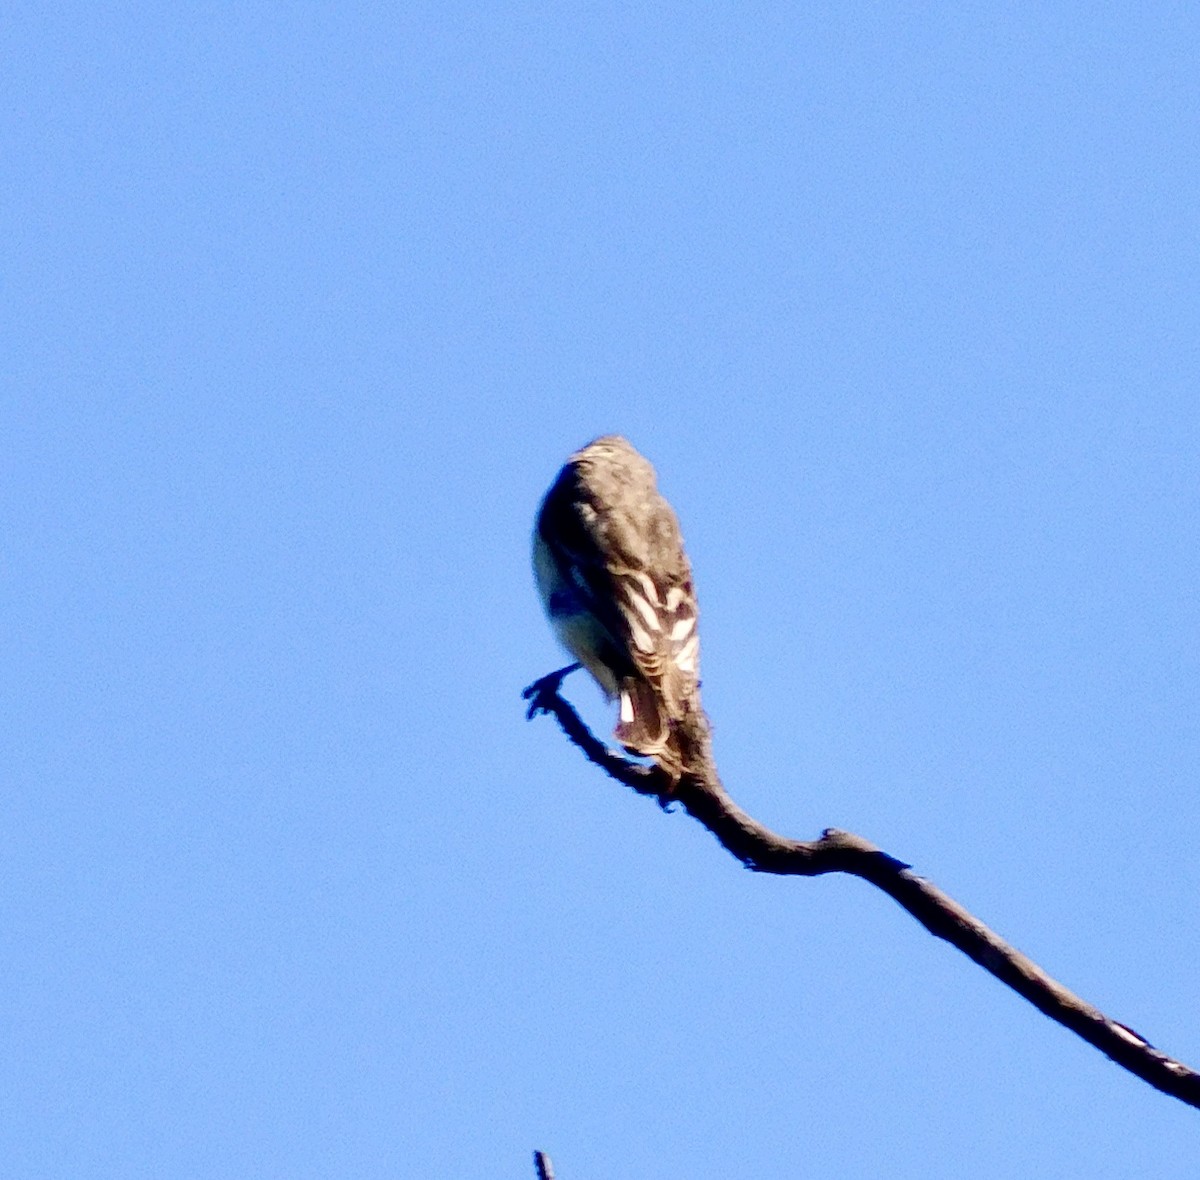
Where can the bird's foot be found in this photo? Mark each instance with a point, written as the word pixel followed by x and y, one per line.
pixel 544 690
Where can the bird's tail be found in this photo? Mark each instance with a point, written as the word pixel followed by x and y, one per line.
pixel 644 726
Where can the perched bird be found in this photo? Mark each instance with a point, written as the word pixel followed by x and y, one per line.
pixel 609 563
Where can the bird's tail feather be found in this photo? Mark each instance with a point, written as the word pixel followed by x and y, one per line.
pixel 644 727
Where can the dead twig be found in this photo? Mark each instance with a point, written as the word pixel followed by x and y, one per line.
pixel 701 794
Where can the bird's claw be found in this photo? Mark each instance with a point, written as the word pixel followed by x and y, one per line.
pixel 544 690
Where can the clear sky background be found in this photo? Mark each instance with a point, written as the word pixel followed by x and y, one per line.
pixel 302 308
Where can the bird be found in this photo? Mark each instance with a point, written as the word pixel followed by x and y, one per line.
pixel 616 585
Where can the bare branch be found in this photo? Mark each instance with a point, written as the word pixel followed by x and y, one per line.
pixel 702 796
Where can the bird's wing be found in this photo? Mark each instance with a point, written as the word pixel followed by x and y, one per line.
pixel 631 569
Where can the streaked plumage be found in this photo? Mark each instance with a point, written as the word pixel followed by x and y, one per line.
pixel 609 562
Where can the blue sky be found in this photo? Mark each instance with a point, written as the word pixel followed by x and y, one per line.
pixel 304 305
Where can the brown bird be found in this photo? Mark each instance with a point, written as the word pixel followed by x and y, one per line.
pixel 610 567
